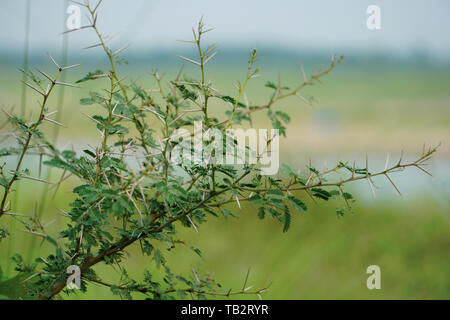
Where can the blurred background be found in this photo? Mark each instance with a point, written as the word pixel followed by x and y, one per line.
pixel 392 94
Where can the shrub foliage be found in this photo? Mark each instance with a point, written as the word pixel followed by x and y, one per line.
pixel 130 193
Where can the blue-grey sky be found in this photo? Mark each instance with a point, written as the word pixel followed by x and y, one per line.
pixel 332 25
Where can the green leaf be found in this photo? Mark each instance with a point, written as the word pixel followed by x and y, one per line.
pixel 287 220
pixel 347 195
pixel 159 258
pixel 297 203
pixel 90 76
pixel 284 116
pixel 185 92
pixel 89 152
pixel 227 213
pixel 86 101
pixel 51 240
pixel 321 193
pixel 270 84
pixel 275 194
pixel 261 213
pixel 3 234
pixel 197 251
pixel 14 288
pixel 231 100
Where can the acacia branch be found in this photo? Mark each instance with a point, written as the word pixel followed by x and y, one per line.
pixel 399 166
pixel 30 131
pixel 145 290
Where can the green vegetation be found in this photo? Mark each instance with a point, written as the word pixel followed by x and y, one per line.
pixel 322 256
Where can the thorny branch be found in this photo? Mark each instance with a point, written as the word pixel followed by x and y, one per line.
pixel 151 199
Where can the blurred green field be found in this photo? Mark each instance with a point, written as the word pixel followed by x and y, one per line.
pixel 358 110
pixel 320 257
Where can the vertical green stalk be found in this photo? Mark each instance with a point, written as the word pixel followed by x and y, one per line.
pixel 64 57
pixel 60 101
pixel 26 47
pixel 23 103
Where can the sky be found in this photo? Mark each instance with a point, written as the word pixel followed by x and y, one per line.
pixel 332 25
